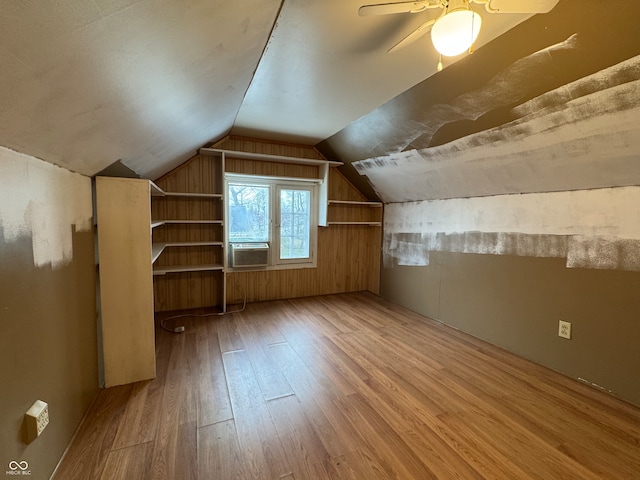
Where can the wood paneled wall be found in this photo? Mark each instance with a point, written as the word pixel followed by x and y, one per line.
pixel 200 174
pixel 348 255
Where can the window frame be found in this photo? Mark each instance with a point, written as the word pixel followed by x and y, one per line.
pixel 276 184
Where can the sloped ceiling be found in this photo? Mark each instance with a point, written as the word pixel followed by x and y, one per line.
pixel 551 105
pixel 87 83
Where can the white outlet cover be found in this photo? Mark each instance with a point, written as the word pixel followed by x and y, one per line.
pixel 564 329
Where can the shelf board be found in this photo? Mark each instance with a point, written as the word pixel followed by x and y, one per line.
pixel 156 251
pixel 156 191
pixel 268 158
pixel 157 223
pixel 193 244
pixel 192 222
pixel 351 202
pixel 158 248
pixel 193 195
pixel 186 268
pixel 370 224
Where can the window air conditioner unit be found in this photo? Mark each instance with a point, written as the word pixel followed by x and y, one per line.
pixel 249 255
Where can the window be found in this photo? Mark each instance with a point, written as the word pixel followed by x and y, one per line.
pixel 295 223
pixel 282 213
pixel 248 212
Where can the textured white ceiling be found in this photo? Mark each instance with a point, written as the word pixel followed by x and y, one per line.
pixel 325 67
pixel 85 83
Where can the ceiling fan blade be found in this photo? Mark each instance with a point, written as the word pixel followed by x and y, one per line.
pixel 413 36
pixel 519 6
pixel 389 8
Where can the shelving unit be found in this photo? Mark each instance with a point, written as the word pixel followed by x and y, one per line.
pixel 188 230
pixel 188 211
pixel 355 212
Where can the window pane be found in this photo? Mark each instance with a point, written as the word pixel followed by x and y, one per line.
pixel 295 214
pixel 248 213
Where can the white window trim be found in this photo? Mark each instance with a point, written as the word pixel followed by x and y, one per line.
pixel 276 183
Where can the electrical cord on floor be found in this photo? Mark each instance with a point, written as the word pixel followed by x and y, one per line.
pixel 180 329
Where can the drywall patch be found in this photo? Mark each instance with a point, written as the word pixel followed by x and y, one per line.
pixel 411 249
pixel 44 202
pixel 590 228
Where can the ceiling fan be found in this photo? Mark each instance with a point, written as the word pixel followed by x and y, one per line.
pixel 457 27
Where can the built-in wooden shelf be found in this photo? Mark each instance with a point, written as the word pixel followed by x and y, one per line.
pixel 191 222
pixel 268 158
pixel 357 203
pixel 354 213
pixel 158 248
pixel 186 268
pixel 156 191
pixel 370 224
pixel 194 195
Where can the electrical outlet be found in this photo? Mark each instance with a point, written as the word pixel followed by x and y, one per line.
pixel 564 330
pixel 37 418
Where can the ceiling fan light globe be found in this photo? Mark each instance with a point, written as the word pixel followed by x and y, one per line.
pixel 455 32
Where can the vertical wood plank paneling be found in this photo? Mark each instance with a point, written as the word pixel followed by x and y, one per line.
pixel 348 256
pixel 200 174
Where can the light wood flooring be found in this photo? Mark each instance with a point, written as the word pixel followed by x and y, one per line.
pixel 348 387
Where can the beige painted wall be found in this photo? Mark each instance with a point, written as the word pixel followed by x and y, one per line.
pixel 48 347
pixel 515 302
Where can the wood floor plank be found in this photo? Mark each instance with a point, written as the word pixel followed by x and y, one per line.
pixel 178 407
pixel 214 404
pixel 413 413
pixel 349 387
pixel 129 462
pixel 272 382
pixel 260 445
pixel 357 465
pixel 140 420
pixel 303 447
pixel 384 441
pixel 88 454
pixel 228 335
pixel 186 464
pixel 337 435
pixel 219 452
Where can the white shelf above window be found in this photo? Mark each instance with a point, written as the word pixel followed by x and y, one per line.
pixel 156 191
pixel 268 158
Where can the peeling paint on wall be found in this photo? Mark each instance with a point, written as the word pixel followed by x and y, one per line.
pixel 44 202
pixel 504 89
pixel 584 135
pixel 590 228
